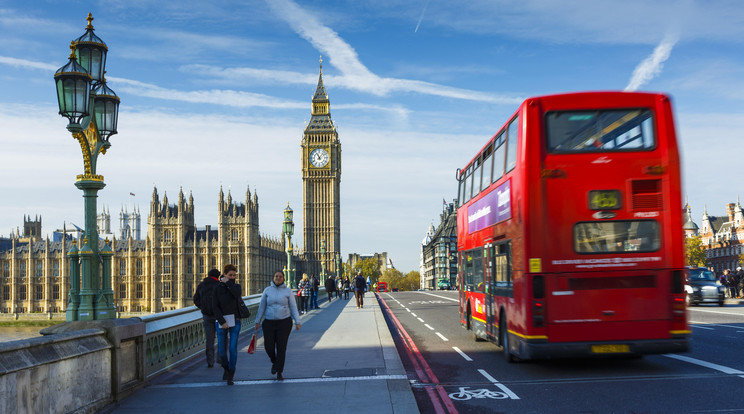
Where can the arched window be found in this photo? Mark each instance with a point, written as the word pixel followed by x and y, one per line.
pixel 167 236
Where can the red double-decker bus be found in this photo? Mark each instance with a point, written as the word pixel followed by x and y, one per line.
pixel 569 230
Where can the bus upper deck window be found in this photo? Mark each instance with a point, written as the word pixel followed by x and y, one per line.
pixel 600 130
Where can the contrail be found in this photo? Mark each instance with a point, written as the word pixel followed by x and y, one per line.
pixel 652 65
pixel 422 17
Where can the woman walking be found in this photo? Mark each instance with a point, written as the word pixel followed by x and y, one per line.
pixel 225 307
pixel 304 289
pixel 279 307
pixel 347 287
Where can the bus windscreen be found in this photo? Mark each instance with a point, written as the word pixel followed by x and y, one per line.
pixel 600 130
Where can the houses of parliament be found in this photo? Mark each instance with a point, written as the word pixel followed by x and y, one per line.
pixel 161 271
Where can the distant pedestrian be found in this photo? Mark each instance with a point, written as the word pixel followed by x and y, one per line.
pixel 736 281
pixel 304 288
pixel 740 273
pixel 346 287
pixel 360 285
pixel 225 304
pixel 315 286
pixel 339 286
pixel 330 286
pixel 279 307
pixel 203 300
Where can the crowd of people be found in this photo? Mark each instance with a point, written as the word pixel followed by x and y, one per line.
pixel 219 298
pixel 734 282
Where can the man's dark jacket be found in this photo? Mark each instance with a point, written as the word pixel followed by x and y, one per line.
pixel 203 296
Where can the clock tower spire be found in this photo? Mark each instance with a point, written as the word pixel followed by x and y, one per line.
pixel 321 178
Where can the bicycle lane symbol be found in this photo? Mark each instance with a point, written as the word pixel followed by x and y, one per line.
pixel 464 394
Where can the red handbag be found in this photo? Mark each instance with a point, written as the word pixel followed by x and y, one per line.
pixel 252 346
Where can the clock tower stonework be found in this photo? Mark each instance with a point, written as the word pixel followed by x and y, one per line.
pixel 321 178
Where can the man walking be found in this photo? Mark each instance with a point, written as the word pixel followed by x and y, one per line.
pixel 203 301
pixel 315 283
pixel 360 285
pixel 330 286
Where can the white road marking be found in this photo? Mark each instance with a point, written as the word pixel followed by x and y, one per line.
pixel 442 336
pixel 428 326
pixel 462 354
pixel 408 309
pixel 414 315
pixel 725 370
pixel 503 387
pixel 287 380
pixel 443 297
pixel 713 324
pixel 701 327
pixel 422 321
pixel 712 311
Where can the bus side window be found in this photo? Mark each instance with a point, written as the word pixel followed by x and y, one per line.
pixel 478 278
pixel 511 146
pixel 503 270
pixel 498 157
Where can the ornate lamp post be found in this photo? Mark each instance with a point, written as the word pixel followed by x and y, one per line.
pixel 92 109
pixel 288 227
pixel 339 265
pixel 322 259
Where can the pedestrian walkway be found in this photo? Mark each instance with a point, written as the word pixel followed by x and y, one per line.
pixel 342 360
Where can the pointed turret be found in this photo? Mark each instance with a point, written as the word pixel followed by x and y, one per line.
pixel 321 108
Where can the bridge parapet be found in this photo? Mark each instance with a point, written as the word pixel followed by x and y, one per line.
pixel 175 336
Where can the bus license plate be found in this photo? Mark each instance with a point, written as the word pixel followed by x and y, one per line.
pixel 610 349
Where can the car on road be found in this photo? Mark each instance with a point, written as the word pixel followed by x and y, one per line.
pixel 703 287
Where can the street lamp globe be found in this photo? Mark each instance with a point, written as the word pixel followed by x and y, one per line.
pixel 73 89
pixel 106 105
pixel 288 224
pixel 91 52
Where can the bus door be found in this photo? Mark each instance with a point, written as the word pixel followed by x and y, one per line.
pixel 488 255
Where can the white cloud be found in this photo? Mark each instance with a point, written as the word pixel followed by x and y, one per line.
pixel 652 65
pixel 354 74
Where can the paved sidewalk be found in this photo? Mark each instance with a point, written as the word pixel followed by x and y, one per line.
pixel 342 360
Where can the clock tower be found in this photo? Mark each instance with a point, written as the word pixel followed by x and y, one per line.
pixel 321 178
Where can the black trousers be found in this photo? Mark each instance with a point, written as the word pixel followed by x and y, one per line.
pixel 209 334
pixel 276 336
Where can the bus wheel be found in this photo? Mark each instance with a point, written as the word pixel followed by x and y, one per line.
pixel 504 341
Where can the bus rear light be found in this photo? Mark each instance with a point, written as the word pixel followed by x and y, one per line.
pixel 538 313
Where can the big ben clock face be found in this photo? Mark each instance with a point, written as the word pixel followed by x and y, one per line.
pixel 319 157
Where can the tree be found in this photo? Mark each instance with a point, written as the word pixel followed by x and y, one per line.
pixel 393 277
pixel 412 280
pixel 694 252
pixel 369 268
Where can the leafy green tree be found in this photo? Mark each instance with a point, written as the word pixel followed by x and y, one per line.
pixel 412 281
pixel 694 252
pixel 393 277
pixel 369 268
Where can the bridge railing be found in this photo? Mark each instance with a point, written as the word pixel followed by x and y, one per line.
pixel 175 336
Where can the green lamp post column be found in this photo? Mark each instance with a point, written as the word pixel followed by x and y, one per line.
pixel 322 259
pixel 92 109
pixel 288 227
pixel 339 265
pixel 73 300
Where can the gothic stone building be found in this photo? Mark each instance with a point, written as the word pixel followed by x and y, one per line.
pixel 722 236
pixel 152 275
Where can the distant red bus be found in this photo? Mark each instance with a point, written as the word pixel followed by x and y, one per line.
pixel 569 230
pixel 381 286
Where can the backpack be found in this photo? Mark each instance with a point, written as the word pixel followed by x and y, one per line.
pixel 359 283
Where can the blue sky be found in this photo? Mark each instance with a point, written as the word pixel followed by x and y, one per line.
pixel 217 93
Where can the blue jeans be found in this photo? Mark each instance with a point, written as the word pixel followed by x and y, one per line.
pixel 222 345
pixel 314 302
